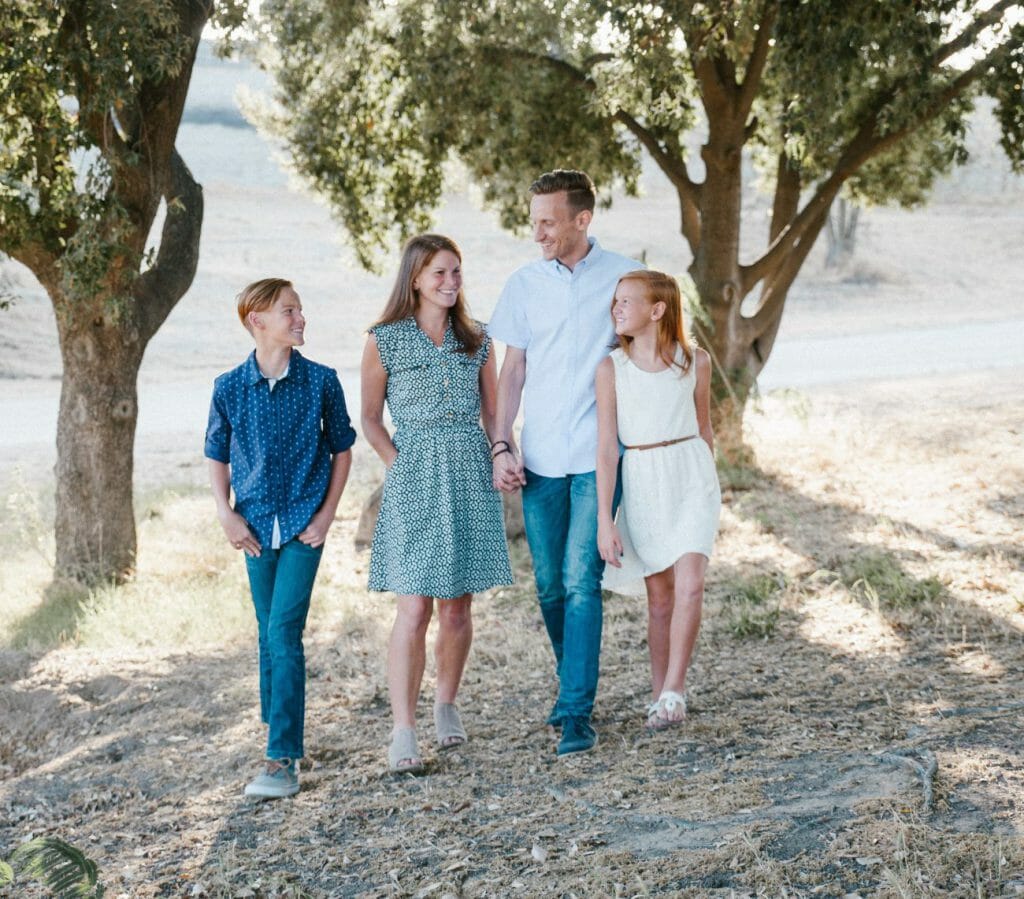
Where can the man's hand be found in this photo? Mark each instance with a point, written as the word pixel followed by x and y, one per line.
pixel 507 472
pixel 237 531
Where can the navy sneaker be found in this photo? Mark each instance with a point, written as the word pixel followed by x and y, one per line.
pixel 577 735
pixel 555 718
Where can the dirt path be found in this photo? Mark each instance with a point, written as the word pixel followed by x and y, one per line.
pixel 893 619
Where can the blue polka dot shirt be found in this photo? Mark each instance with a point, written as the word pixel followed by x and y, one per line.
pixel 278 442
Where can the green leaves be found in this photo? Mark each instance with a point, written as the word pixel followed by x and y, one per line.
pixel 373 105
pixel 1005 82
pixel 78 83
pixel 375 96
pixel 58 865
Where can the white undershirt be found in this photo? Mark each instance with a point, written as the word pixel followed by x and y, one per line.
pixel 275 537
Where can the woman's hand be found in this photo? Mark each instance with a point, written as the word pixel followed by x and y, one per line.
pixel 507 471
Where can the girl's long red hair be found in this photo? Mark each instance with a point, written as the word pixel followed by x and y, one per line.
pixel 662 288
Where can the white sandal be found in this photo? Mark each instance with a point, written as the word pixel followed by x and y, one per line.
pixel 668 711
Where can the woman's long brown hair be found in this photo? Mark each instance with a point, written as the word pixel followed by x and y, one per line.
pixel 416 256
pixel 662 288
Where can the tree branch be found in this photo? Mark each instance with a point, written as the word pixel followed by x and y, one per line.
pixel 673 166
pixel 785 205
pixel 763 323
pixel 35 257
pixel 712 91
pixel 787 195
pixel 758 60
pixel 725 71
pixel 967 37
pixel 499 51
pixel 865 145
pixel 596 58
pixel 157 290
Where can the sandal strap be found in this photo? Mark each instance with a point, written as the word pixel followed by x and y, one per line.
pixel 403 748
pixel 448 724
pixel 671 700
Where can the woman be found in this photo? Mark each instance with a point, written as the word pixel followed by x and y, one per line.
pixel 440 533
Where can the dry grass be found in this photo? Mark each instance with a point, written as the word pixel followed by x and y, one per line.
pixel 866 600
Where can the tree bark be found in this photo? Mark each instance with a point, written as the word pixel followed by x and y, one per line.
pixel 102 342
pixel 718 278
pixel 104 332
pixel 95 522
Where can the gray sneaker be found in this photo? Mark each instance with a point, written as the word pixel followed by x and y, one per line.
pixel 280 779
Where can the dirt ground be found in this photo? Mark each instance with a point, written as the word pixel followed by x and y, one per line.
pixel 856 697
pixel 854 726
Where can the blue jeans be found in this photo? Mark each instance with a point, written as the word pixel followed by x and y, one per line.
pixel 281 581
pixel 560 515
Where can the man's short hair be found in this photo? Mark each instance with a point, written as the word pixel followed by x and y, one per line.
pixel 577 185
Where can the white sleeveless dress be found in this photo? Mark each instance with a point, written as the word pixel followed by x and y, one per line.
pixel 671 499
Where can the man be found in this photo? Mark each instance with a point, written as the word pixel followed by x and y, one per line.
pixel 553 316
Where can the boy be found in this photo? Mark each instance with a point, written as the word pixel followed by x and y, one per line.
pixel 279 435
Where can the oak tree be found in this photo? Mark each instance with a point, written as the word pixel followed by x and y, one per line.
pixel 864 97
pixel 91 96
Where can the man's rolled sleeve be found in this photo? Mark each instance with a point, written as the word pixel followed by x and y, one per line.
pixel 337 424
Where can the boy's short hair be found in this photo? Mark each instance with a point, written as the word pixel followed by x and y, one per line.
pixel 259 296
pixel 577 185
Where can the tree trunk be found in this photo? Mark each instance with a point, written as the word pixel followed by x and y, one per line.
pixel 95 522
pixel 728 403
pixel 716 274
pixel 841 232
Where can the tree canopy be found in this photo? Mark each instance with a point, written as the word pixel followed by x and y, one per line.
pixel 865 97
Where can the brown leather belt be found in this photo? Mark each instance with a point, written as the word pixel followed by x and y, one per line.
pixel 647 446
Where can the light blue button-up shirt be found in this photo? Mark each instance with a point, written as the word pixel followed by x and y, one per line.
pixel 562 319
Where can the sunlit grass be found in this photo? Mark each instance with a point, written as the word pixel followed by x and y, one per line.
pixel 186 592
pixel 751 605
pixel 189 589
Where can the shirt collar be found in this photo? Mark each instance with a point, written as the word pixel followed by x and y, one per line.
pixel 296 368
pixel 593 255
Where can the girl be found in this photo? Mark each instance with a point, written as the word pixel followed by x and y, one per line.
pixel 440 533
pixel 653 395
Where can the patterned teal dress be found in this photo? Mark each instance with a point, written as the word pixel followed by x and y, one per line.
pixel 441 531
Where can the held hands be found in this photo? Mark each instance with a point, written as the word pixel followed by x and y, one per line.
pixel 508 473
pixel 238 533
pixel 609 543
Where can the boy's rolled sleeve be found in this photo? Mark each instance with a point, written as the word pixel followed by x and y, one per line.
pixel 218 431
pixel 338 428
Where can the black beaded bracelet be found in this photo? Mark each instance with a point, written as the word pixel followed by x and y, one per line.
pixel 496 442
pixel 499 452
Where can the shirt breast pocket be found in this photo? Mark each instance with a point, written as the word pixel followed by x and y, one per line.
pixel 464 388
